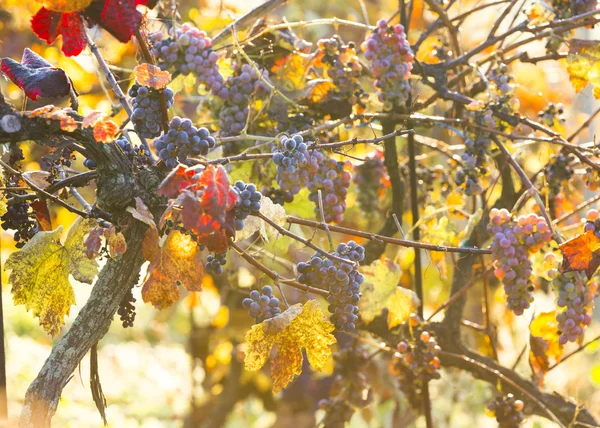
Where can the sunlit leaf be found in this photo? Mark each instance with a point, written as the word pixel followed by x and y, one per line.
pixel 543 344
pixel 40 273
pixel 299 327
pixel 581 253
pixel 176 262
pixel 151 76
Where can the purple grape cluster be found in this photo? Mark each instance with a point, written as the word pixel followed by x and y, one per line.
pixel 292 159
pixel 558 171
pixel 391 58
pixel 342 279
pixel 262 306
pixel 477 146
pixel 126 310
pixel 189 50
pixel 181 141
pixel 147 114
pixel 136 153
pixel 239 88
pixel 333 180
pixel 248 202
pixel 19 218
pixel 507 410
pixel 513 241
pixel 502 90
pixel 592 222
pixel 416 360
pixel 343 68
pixel 576 300
pixel 370 177
pixel 552 115
pixel 215 262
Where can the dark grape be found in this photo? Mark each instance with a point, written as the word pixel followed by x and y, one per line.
pixel 342 279
pixel 126 310
pixel 147 113
pixel 182 140
pixel 262 306
pixel 507 410
pixel 215 262
pixel 248 202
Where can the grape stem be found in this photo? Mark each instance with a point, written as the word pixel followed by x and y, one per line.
pixel 304 241
pixel 386 239
pixel 117 90
pixel 274 275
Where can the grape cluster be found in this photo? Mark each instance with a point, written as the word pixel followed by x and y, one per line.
pixel 278 196
pixel 239 88
pixel 189 50
pixel 215 262
pixel 181 141
pixel 477 146
pixel 372 178
pixel 333 180
pixel 576 299
pixel 147 114
pixel 552 115
pixel 293 163
pixel 513 241
pixel 248 202
pixel 136 153
pixel 592 222
pixel 507 410
pixel 502 90
pixel 342 279
pixel 416 360
pixel 18 216
pixel 391 58
pixel 262 306
pixel 291 123
pixel 558 171
pixel 349 389
pixel 343 67
pixel 127 310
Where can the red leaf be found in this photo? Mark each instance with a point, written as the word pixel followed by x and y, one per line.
pixel 49 25
pixel 93 243
pixel 218 196
pixel 177 180
pixel 581 253
pixel 121 19
pixel 36 76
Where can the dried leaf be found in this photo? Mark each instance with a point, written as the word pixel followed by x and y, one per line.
pixel 544 345
pixel 116 242
pixel 299 327
pixel 151 76
pixel 176 262
pixel 581 253
pixel 42 214
pixel 38 178
pixel 275 212
pixel 142 213
pixel 105 131
pixel 92 118
pixel 40 273
pixel 93 242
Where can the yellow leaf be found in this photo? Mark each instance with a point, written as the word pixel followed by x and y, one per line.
pixel 40 273
pixel 3 205
pixel 400 305
pixel 65 5
pixel 152 76
pixel 380 290
pixel 275 212
pixel 176 262
pixel 544 345
pixel 299 327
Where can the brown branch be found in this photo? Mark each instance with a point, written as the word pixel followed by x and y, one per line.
pixel 394 241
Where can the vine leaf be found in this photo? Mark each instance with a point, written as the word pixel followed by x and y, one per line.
pixel 42 214
pixel 40 273
pixel 66 122
pixel 299 327
pixel 176 262
pixel 93 242
pixel 119 17
pixel 152 76
pixel 65 5
pixel 37 77
pixel 581 253
pixel 104 130
pixel 583 64
pixel 48 25
pixel 252 224
pixel 142 213
pixel 3 205
pixel 203 200
pixel 116 242
pixel 380 290
pixel 544 345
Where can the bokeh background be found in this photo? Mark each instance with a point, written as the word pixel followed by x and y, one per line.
pixel 149 374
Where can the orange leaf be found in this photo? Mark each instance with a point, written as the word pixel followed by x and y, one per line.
pixel 581 253
pixel 177 262
pixel 116 242
pixel 92 118
pixel 42 215
pixel 152 76
pixel 105 131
